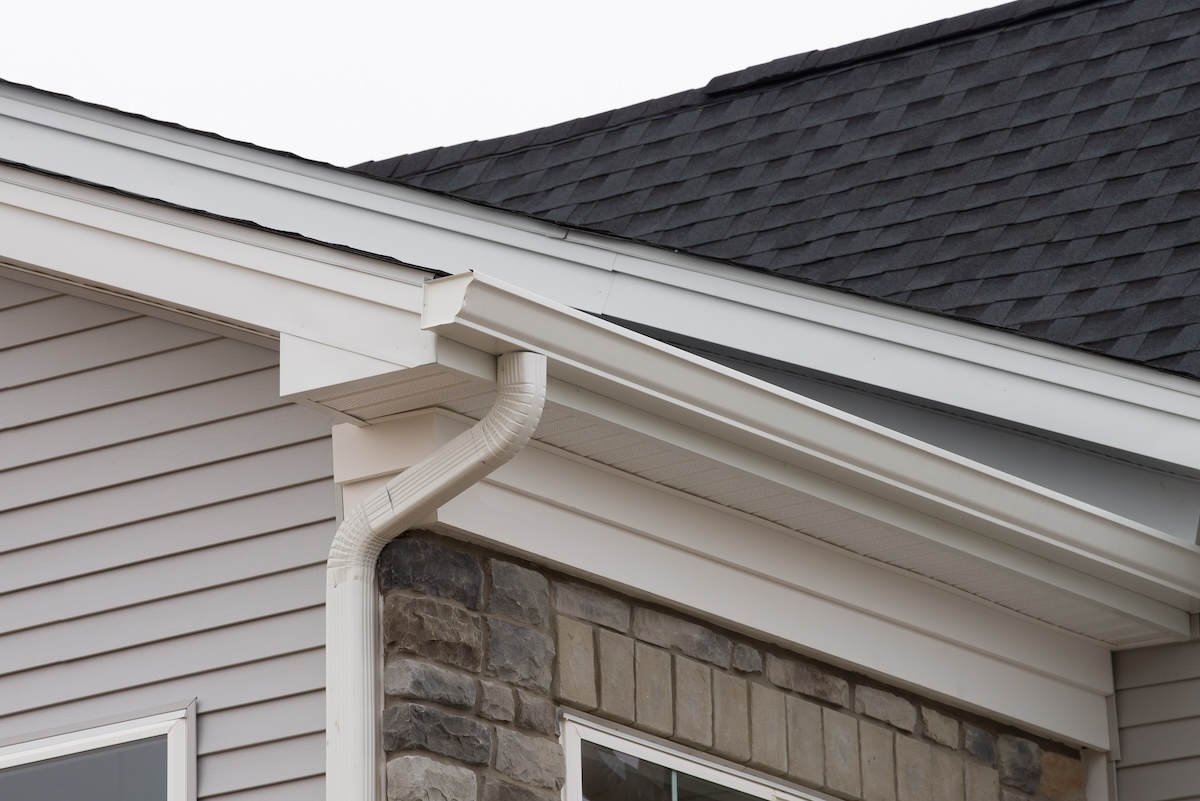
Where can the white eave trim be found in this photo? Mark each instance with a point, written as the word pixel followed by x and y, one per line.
pixel 854 463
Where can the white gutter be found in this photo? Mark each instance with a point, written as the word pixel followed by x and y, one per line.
pixel 353 703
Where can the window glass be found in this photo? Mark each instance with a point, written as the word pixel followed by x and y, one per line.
pixel 611 775
pixel 133 771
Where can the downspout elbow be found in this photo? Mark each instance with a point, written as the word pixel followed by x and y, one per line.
pixel 353 698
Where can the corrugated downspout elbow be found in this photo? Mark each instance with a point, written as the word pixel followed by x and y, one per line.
pixel 354 768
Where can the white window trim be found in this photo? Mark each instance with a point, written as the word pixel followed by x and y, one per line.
pixel 177 725
pixel 577 730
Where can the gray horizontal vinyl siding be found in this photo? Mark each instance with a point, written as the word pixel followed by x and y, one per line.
pixel 164 522
pixel 1158 714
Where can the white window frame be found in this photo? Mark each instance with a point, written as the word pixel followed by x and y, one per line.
pixel 577 730
pixel 176 725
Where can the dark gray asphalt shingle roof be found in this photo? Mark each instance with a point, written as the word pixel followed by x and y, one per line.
pixel 1033 167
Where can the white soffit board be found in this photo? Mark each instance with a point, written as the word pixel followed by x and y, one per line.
pixel 1078 395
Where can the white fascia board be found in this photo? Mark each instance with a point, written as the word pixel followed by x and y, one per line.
pixel 805 596
pixel 1078 395
pixel 214 269
pixel 830 454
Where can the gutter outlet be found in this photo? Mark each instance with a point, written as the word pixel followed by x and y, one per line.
pixel 354 764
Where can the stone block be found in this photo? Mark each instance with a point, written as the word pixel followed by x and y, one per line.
pixel 434 629
pixel 806 742
pixel 878 762
pixel 980 743
pixel 981 783
pixel 731 717
pixel 947 776
pixel 914 769
pixel 408 678
pixel 418 778
pixel 591 604
pixel 532 760
pixel 653 700
pixel 842 772
pixel 747 658
pixel 536 713
pixel 1063 778
pixel 576 663
pixel 1020 763
pixel 496 701
pixel 768 729
pixel 411 726
pixel 693 703
pixel 519 593
pixel 670 632
pixel 432 569
pixel 807 680
pixel 520 655
pixel 939 728
pixel 616 676
pixel 495 789
pixel 881 705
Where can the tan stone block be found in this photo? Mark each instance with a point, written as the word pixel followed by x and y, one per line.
pixel 731 717
pixel 616 676
pixel 576 663
pixel 1063 778
pixel 939 728
pixel 768 729
pixel 806 742
pixel 875 703
pixel 653 702
pixel 981 782
pixel 914 769
pixel 842 772
pixel 878 762
pixel 947 776
pixel 693 703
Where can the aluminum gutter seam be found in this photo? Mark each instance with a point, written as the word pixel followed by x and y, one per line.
pixel 354 757
pixel 493 316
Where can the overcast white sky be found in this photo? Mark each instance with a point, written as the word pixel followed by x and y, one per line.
pixel 345 81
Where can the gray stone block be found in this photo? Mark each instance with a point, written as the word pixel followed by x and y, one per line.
pixel 914 770
pixel 939 728
pixel 981 783
pixel 878 762
pixel 520 655
pixel 519 593
pixel 576 663
pixel 411 726
pixel 768 729
pixel 893 709
pixel 806 742
pixel 807 680
pixel 654 697
pixel 434 629
pixel 536 713
pixel 408 678
pixel 418 778
pixel 671 632
pixel 496 701
pixel 842 772
pixel 979 743
pixel 532 760
pixel 731 717
pixel 433 569
pixel 591 604
pixel 747 658
pixel 495 789
pixel 693 703
pixel 616 676
pixel 1020 763
pixel 947 776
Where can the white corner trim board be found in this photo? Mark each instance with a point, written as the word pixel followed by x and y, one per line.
pixel 354 760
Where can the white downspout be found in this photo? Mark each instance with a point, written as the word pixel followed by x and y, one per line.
pixel 354 764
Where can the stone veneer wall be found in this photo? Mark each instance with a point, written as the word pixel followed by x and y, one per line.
pixel 481 649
